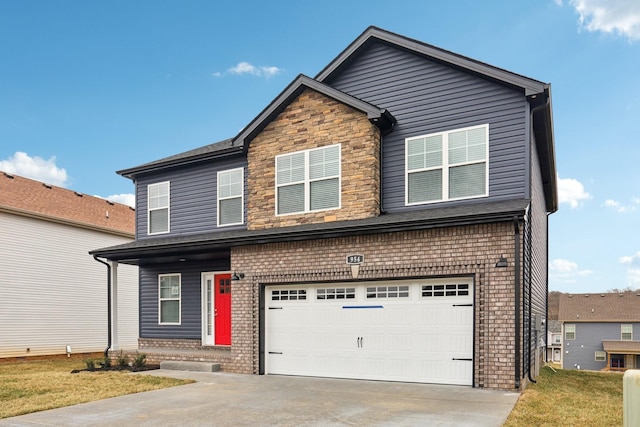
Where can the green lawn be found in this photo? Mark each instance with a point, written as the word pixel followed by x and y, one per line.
pixel 31 386
pixel 570 398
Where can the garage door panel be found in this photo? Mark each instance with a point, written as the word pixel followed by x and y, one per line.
pixel 413 338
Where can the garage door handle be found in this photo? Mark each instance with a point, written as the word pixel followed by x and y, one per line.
pixel 463 305
pixel 466 360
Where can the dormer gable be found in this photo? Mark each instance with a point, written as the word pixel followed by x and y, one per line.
pixel 318 146
pixel 378 116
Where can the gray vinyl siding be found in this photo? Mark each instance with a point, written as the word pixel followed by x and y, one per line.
pixel 535 262
pixel 426 97
pixel 193 198
pixel 190 299
pixel 589 337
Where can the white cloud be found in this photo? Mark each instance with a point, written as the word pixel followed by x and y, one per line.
pixel 243 68
pixel 562 266
pixel 620 17
pixel 633 259
pixel 633 269
pixel 565 271
pixel 633 278
pixel 571 191
pixel 125 199
pixel 35 168
pixel 622 208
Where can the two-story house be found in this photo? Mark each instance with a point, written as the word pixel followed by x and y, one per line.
pixel 384 220
pixel 601 331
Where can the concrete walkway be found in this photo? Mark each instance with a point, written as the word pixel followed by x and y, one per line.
pixel 224 399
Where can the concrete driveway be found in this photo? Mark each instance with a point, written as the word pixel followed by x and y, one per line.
pixel 224 399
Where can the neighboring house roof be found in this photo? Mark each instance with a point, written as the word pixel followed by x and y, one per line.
pixel 26 197
pixel 554 326
pixel 606 307
pixel 207 243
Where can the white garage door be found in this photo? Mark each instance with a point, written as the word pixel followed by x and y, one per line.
pixel 414 331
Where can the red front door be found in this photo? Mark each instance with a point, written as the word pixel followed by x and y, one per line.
pixel 222 311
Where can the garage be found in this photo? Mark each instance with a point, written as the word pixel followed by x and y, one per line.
pixel 411 331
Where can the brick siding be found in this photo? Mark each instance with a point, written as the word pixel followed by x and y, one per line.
pixel 455 251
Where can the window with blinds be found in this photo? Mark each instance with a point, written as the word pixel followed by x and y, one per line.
pixel 231 197
pixel 308 180
pixel 447 166
pixel 158 208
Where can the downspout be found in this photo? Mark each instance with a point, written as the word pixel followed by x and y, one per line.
pixel 530 262
pixel 517 297
pixel 528 352
pixel 106 350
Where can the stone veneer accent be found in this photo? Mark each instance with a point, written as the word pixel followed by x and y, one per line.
pixel 454 251
pixel 312 120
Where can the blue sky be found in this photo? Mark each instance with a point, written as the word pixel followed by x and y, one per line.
pixel 91 87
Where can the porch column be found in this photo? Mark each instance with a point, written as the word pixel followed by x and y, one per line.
pixel 114 305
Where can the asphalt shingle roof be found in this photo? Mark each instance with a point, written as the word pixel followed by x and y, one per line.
pixel 605 307
pixel 23 196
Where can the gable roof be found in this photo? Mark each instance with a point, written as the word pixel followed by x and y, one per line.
pixel 378 116
pixel 537 92
pixel 530 86
pixel 26 197
pixel 606 307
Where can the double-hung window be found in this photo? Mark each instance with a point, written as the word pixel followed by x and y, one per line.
pixel 626 332
pixel 230 197
pixel 308 180
pixel 158 208
pixel 169 299
pixel 447 165
pixel 570 331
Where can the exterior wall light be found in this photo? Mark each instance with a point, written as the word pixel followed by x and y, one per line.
pixel 237 276
pixel 502 262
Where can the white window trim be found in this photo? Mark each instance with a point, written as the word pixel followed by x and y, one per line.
pixel 622 326
pixel 445 166
pixel 602 354
pixel 228 198
pixel 179 299
pixel 574 332
pixel 307 182
pixel 168 208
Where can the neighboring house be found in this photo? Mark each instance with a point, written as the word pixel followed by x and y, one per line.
pixel 385 220
pixel 554 341
pixel 601 331
pixel 54 294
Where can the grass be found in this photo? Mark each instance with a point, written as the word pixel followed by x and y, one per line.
pixel 32 386
pixel 570 398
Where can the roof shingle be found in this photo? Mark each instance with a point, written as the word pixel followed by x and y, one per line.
pixel 27 197
pixel 606 307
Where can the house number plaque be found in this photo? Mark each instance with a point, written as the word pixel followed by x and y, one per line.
pixel 355 259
